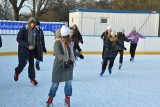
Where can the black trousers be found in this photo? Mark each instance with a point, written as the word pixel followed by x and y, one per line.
pixel 111 62
pixel 77 47
pixel 121 55
pixel 133 49
pixel 23 61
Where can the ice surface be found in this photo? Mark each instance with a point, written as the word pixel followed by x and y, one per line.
pixel 137 84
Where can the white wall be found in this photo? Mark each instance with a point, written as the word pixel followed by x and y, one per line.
pixel 95 44
pixel 118 20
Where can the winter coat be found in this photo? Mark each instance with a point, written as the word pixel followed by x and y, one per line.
pixel 79 37
pixel 0 42
pixel 110 48
pixel 134 36
pixel 104 34
pixel 40 45
pixel 23 44
pixel 59 72
pixel 121 38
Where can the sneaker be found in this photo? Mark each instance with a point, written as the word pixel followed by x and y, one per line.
pixel 16 76
pixel 37 67
pixel 120 65
pixel 67 101
pixel 110 70
pixel 34 82
pixel 49 102
pixel 101 74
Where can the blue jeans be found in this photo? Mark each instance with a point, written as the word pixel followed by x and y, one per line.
pixel 37 61
pixel 67 89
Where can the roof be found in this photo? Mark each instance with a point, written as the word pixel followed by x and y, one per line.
pixel 114 11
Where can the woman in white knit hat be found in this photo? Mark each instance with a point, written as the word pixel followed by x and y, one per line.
pixel 63 66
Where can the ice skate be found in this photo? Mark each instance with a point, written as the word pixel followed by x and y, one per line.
pixel 49 103
pixel 110 70
pixel 37 67
pixel 67 101
pixel 101 74
pixel 34 82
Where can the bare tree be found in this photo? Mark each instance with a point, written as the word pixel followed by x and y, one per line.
pixel 6 10
pixel 38 7
pixel 16 8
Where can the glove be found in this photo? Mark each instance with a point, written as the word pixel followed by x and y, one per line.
pixel 67 65
pixel 70 62
pixel 81 56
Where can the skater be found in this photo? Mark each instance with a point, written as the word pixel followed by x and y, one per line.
pixel 109 53
pixel 103 36
pixel 78 38
pixel 27 50
pixel 0 41
pixel 74 40
pixel 40 36
pixel 63 66
pixel 121 38
pixel 134 36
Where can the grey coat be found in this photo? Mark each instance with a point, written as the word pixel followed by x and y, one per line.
pixel 59 72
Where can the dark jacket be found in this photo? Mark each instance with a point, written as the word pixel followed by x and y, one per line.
pixel 79 37
pixel 0 42
pixel 104 34
pixel 40 45
pixel 121 38
pixel 110 48
pixel 23 45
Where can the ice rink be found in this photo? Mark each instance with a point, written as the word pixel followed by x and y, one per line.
pixel 137 84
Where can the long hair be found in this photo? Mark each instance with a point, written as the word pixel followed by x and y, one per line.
pixel 76 27
pixel 65 41
pixel 110 38
pixel 74 37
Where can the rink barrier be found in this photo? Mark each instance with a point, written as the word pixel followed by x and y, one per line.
pixel 85 53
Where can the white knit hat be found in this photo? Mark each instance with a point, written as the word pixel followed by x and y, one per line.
pixel 122 30
pixel 109 27
pixel 65 31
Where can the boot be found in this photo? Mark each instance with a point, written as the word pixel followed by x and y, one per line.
pixel 49 102
pixel 37 67
pixel 34 82
pixel 110 70
pixel 16 75
pixel 120 65
pixel 67 101
pixel 101 74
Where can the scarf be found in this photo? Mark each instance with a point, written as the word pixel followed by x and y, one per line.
pixel 68 52
pixel 32 36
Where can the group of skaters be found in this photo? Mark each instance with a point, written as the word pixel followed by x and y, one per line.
pixel 113 43
pixel 31 45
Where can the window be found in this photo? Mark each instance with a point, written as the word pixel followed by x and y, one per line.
pixel 104 20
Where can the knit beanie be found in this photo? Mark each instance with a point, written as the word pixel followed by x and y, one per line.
pixel 109 27
pixel 31 19
pixel 122 30
pixel 65 31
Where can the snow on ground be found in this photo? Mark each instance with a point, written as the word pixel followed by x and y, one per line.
pixel 137 84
